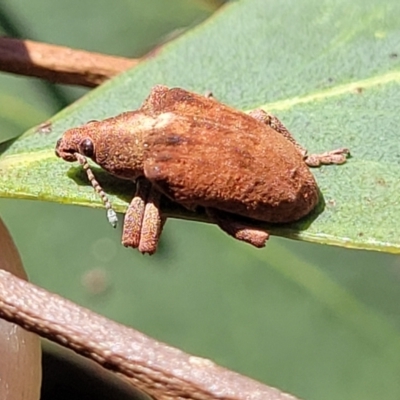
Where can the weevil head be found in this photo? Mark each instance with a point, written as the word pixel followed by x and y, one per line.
pixel 115 144
pixel 76 140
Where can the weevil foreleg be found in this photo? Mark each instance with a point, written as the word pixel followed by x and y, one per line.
pixel 254 236
pixel 337 156
pixel 143 221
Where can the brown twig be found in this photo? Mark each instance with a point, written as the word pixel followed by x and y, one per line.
pixel 59 64
pixel 153 367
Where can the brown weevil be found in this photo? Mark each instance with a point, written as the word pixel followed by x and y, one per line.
pixel 200 153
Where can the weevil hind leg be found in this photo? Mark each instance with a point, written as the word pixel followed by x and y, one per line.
pixel 238 230
pixel 275 123
pixel 143 221
pixel 337 156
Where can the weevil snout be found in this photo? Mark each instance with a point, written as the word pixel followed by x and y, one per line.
pixel 65 151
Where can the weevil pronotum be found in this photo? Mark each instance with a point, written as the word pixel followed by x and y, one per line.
pixel 200 153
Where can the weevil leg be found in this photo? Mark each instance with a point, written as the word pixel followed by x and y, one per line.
pixel 155 97
pixel 238 230
pixel 143 222
pixel 337 156
pixel 276 125
pixel 134 215
pixel 152 224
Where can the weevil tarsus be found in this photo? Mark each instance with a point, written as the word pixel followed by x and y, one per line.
pixel 337 156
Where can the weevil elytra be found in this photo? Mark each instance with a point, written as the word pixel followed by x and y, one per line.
pixel 200 153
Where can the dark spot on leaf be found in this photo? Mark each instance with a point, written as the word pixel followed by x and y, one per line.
pixel 380 182
pixel 44 128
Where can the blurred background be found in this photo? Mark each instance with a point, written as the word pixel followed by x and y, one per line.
pixel 320 322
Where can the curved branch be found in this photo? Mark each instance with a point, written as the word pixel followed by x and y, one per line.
pixel 153 367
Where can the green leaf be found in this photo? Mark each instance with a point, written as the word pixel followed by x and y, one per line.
pixel 329 72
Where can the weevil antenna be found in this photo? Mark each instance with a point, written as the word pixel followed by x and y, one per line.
pixel 111 214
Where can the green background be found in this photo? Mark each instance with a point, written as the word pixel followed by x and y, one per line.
pixel 318 321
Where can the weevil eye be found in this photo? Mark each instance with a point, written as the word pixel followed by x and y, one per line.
pixel 86 148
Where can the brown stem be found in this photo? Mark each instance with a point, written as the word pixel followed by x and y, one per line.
pixel 59 64
pixel 153 367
